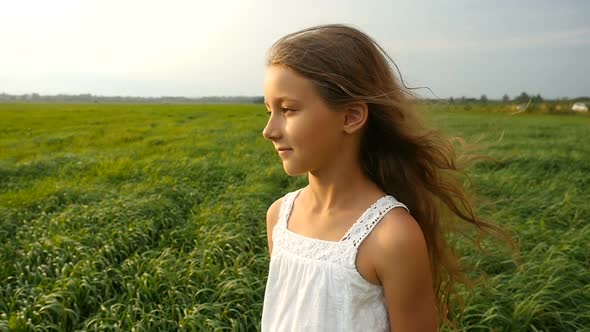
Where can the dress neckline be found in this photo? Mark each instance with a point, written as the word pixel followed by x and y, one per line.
pixel 354 225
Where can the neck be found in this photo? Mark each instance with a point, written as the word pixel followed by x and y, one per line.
pixel 338 188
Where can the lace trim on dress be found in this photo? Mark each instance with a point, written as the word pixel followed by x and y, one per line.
pixel 341 252
pixel 302 246
pixel 370 218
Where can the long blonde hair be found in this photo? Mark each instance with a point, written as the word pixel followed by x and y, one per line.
pixel 417 165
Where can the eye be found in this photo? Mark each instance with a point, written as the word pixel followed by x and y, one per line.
pixel 284 109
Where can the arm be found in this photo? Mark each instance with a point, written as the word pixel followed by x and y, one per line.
pixel 402 265
pixel 272 216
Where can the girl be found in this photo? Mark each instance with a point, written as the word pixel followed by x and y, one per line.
pixel 362 246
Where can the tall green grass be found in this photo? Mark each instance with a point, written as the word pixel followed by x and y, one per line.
pixel 152 217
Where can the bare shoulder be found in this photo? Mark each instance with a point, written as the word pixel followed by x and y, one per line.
pixel 272 217
pixel 272 214
pixel 394 237
pixel 400 257
pixel 398 230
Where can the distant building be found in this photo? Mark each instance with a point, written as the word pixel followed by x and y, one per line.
pixel 579 107
pixel 519 107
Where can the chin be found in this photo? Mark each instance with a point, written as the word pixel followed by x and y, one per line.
pixel 293 171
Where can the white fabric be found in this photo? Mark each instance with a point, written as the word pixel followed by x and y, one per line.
pixel 313 285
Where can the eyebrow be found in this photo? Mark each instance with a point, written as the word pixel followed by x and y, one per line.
pixel 284 98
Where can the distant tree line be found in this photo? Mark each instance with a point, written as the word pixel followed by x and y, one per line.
pixel 89 98
pixel 523 98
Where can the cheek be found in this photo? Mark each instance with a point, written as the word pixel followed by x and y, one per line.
pixel 314 135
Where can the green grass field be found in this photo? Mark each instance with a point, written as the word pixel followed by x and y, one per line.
pixel 152 217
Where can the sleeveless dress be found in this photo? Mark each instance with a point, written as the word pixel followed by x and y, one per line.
pixel 313 285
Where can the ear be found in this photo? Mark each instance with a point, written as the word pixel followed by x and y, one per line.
pixel 355 117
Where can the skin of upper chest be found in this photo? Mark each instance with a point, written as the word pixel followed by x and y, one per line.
pixel 333 228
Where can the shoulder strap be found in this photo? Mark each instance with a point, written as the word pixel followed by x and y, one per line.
pixel 359 231
pixel 286 207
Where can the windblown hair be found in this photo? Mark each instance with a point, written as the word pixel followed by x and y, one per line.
pixel 417 165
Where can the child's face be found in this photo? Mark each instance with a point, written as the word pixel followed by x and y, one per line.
pixel 309 129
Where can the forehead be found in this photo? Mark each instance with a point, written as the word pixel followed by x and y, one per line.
pixel 282 83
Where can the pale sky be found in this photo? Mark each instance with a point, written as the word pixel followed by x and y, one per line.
pixel 214 48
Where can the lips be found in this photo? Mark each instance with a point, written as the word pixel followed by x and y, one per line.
pixel 284 151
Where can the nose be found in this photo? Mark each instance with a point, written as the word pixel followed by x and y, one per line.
pixel 272 130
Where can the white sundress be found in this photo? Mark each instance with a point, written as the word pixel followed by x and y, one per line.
pixel 313 285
